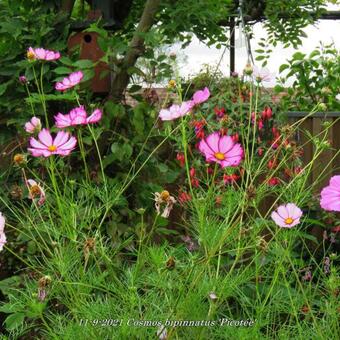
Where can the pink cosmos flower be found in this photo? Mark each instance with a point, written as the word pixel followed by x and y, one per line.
pixel 287 216
pixel 200 97
pixel 42 54
pixel 72 80
pixel 262 74
pixel 33 126
pixel 77 116
pixel 2 232
pixel 330 195
pixel 36 191
pixel 46 146
pixel 221 149
pixel 175 111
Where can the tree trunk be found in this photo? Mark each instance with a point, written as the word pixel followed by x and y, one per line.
pixel 121 79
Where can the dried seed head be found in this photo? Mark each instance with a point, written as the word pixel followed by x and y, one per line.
pixel 16 192
pixel 170 263
pixel 19 159
pixel 251 192
pixel 44 281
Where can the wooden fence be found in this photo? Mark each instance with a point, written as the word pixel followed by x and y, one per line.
pixel 315 125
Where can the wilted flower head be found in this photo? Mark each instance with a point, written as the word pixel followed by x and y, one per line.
pixel 42 54
pixel 164 198
pixel 221 149
pixel 262 74
pixel 43 283
pixel 46 146
pixel 2 232
pixel 77 116
pixel 19 159
pixel 175 111
pixel 308 274
pixel 89 246
pixel 16 192
pixel 68 82
pixel 326 265
pixel 189 242
pixel 287 216
pixel 33 126
pixel 35 191
pixel 330 195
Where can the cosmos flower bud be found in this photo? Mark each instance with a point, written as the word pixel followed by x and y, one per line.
pixel 23 80
pixel 248 70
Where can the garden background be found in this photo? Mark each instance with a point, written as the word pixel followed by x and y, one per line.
pixel 139 201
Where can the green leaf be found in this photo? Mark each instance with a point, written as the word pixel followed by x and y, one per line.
pixel 9 308
pixel 62 70
pixel 15 320
pixel 283 67
pixel 114 110
pixel 298 56
pixel 135 70
pixel 84 63
pixel 3 88
pixel 8 284
pixel 134 88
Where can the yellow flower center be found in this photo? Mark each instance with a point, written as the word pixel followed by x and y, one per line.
pixel 289 220
pixel 30 55
pixel 219 156
pixel 52 148
pixel 165 195
pixel 35 190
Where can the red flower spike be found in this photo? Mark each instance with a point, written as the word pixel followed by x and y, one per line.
pixel 273 181
pixel 235 137
pixel 180 157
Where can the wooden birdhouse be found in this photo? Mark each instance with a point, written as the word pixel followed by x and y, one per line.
pixel 89 49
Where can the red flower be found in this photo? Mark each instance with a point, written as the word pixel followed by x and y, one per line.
pixel 219 112
pixel 195 182
pixel 223 131
pixel 184 197
pixel 227 179
pixel 260 152
pixel 272 164
pixel 192 172
pixel 267 113
pixel 210 171
pixel 180 157
pixel 235 137
pixel 336 229
pixel 275 132
pixel 273 181
pixel 260 124
pixel 198 126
